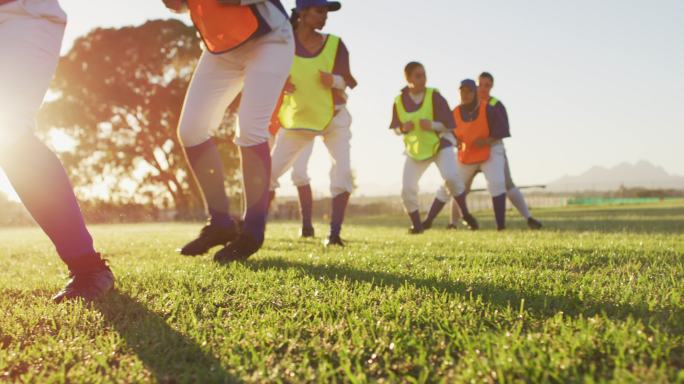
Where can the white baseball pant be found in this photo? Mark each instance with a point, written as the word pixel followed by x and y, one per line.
pixel 218 79
pixel 292 143
pixel 300 168
pixel 445 160
pixel 31 33
pixel 493 169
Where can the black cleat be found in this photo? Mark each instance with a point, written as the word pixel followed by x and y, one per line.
pixel 210 236
pixel 471 222
pixel 333 241
pixel 89 281
pixel 452 226
pixel 415 231
pixel 534 224
pixel 307 232
pixel 427 225
pixel 239 250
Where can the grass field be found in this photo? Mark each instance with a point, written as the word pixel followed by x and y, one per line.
pixel 597 296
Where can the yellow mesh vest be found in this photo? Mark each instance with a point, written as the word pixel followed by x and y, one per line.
pixel 420 145
pixel 311 105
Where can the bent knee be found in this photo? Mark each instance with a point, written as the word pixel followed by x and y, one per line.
pixel 191 135
pixel 251 137
pixel 442 194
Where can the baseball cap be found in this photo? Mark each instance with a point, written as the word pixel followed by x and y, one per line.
pixel 470 84
pixel 332 5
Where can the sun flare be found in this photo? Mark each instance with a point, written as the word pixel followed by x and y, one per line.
pixel 61 141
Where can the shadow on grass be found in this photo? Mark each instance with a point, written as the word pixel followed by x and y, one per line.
pixel 538 304
pixel 171 356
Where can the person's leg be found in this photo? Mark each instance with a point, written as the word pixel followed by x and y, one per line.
pixel 337 138
pixel 441 198
pixel 305 195
pixel 461 211
pixel 300 167
pixel 30 51
pixel 456 215
pixel 27 64
pixel 300 178
pixel 517 198
pixel 413 170
pixel 493 170
pixel 268 62
pixel 215 84
pixel 288 148
pixel 445 160
pixel 514 195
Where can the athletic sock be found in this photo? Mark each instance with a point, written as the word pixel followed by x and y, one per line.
pixel 256 174
pixel 456 214
pixel 339 207
pixel 435 209
pixel 207 167
pixel 306 205
pixel 415 220
pixel 499 203
pixel 41 182
pixel 462 204
pixel 518 200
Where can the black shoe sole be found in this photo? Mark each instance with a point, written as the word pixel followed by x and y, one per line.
pixel 228 255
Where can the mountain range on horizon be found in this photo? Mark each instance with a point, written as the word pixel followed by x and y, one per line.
pixel 642 174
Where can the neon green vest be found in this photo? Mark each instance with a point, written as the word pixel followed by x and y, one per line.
pixel 311 105
pixel 420 145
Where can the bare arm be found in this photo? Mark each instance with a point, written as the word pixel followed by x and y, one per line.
pixel 439 127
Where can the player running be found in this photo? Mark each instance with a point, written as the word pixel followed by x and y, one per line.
pixel 249 49
pixel 315 105
pixel 31 33
pixel 480 130
pixel 485 85
pixel 422 116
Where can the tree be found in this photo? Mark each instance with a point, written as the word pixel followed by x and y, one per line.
pixel 119 94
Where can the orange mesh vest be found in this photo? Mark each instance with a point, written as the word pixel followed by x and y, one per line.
pixel 467 132
pixel 223 27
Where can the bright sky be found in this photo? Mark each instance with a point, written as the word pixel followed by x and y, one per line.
pixel 585 82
